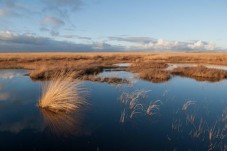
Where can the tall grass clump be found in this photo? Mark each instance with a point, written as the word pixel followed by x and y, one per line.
pixel 61 93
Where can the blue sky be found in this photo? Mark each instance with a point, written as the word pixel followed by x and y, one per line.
pixel 110 25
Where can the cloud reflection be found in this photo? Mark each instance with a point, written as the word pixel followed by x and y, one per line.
pixel 10 74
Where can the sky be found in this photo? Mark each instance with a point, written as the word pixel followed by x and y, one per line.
pixel 113 25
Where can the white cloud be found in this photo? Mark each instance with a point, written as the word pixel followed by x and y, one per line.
pixel 160 44
pixel 76 36
pixel 25 38
pixel 103 46
pixel 52 21
pixel 143 40
pixel 99 45
pixel 6 35
pixel 8 74
pixel 147 43
pixel 201 45
pixel 176 45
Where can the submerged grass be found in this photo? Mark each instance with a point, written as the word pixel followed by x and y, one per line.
pixel 136 102
pixel 153 108
pixel 61 93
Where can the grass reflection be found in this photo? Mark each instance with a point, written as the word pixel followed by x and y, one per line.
pixel 62 123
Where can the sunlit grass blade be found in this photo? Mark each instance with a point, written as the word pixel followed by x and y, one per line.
pixel 62 93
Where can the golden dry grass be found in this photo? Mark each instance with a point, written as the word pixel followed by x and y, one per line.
pixel 61 94
pixel 201 73
pixel 155 75
pixel 43 65
pixel 151 71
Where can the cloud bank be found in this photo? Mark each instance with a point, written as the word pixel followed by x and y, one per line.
pixel 152 44
pixel 14 42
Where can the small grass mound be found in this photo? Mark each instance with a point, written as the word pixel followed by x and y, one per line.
pixel 62 93
pixel 155 75
pixel 201 73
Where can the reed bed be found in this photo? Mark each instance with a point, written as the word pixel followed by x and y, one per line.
pixel 136 103
pixel 195 125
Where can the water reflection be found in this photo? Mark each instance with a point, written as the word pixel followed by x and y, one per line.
pixel 173 66
pixel 181 114
pixel 122 64
pixel 4 96
pixel 10 74
pixel 21 124
pixel 195 123
pixel 62 123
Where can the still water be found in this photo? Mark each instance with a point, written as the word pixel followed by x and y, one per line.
pixel 173 66
pixel 180 114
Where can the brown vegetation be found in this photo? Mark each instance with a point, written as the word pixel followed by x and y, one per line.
pixel 79 72
pixel 88 73
pixel 155 75
pixel 149 66
pixel 151 71
pixel 61 94
pixel 111 80
pixel 201 73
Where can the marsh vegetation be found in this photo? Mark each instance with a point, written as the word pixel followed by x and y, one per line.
pixel 141 105
pixel 86 66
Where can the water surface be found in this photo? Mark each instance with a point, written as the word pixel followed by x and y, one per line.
pixel 173 66
pixel 189 115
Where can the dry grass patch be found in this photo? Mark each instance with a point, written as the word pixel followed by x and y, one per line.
pixel 147 65
pixel 88 73
pixel 151 71
pixel 201 73
pixel 47 73
pixel 61 94
pixel 155 75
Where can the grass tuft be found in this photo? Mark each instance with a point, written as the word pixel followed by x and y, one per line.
pixel 62 93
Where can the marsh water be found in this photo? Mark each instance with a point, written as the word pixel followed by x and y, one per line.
pixel 180 114
pixel 173 66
